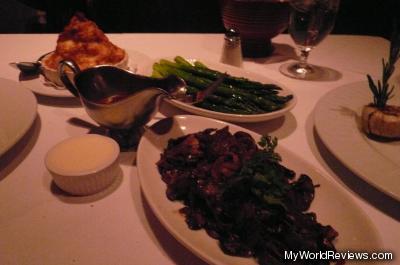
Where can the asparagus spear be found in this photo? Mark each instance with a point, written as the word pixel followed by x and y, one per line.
pixel 265 103
pixel 221 108
pixel 245 84
pixel 234 103
pixel 201 70
pixel 166 69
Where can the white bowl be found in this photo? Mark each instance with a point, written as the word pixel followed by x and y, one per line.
pixel 84 165
pixel 52 75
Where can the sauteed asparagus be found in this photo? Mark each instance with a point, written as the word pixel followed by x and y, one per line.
pixel 237 95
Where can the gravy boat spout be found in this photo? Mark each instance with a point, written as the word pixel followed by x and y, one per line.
pixel 117 98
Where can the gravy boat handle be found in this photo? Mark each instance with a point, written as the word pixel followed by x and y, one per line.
pixel 65 78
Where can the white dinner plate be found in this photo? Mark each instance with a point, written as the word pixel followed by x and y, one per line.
pixel 332 205
pixel 41 86
pixel 18 108
pixel 337 121
pixel 238 72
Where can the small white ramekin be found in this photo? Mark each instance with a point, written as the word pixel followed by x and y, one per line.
pixel 84 165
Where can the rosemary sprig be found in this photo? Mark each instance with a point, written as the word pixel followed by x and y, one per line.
pixel 381 90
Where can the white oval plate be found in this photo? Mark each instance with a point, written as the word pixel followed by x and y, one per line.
pixel 18 108
pixel 337 117
pixel 41 86
pixel 238 72
pixel 332 205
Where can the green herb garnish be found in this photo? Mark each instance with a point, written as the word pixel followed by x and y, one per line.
pixel 269 144
pixel 381 90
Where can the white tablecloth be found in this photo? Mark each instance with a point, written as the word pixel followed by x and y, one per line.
pixel 40 226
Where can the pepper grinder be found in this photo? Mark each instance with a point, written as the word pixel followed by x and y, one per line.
pixel 232 50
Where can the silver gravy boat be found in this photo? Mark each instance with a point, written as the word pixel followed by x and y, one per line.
pixel 118 99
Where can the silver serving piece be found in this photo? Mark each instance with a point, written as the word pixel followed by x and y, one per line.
pixel 29 67
pixel 118 99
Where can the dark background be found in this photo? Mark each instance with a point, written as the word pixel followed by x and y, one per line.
pixel 368 17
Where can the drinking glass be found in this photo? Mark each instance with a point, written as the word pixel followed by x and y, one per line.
pixel 309 23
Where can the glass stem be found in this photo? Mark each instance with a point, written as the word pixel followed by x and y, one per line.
pixel 304 52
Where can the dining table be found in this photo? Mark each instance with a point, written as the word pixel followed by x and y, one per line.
pixel 42 225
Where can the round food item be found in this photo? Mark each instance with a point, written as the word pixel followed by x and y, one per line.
pixel 381 122
pixel 83 165
pixel 83 42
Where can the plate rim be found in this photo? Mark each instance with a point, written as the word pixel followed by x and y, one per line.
pixel 39 81
pixel 191 246
pixel 32 117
